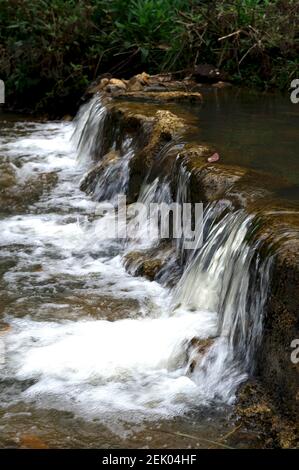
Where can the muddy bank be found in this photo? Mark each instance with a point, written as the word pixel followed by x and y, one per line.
pixel 142 110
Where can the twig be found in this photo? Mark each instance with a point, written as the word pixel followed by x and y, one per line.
pixel 230 35
pixel 189 436
pixel 246 53
pixel 119 66
pixel 230 433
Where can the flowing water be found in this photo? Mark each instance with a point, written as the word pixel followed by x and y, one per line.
pixel 92 356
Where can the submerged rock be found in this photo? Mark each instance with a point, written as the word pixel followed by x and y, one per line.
pixel 19 196
pixel 89 180
pixel 195 350
pixel 8 175
pixel 147 263
pixel 31 441
pixel 4 328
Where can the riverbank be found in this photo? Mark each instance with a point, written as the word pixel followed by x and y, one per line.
pixel 50 54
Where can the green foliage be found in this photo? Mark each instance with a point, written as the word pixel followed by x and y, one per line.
pixel 147 25
pixel 41 42
pixel 51 49
pixel 256 41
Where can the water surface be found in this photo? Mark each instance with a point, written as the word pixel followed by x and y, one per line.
pixel 257 130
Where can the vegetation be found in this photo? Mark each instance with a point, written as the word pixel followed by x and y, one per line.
pixel 51 49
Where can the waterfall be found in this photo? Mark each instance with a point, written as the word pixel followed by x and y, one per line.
pixel 126 346
pixel 182 197
pixel 110 176
pixel 226 275
pixel 88 131
pixel 114 177
pixel 151 196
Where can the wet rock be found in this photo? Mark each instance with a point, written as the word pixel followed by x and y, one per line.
pixel 255 190
pixel 164 96
pixel 256 412
pixel 104 307
pixel 140 263
pixel 150 268
pixel 67 118
pixel 275 225
pixel 138 82
pixel 144 87
pixel 115 82
pixel 127 121
pixel 4 328
pixel 278 233
pixel 90 179
pixel 207 73
pixel 276 230
pixel 166 126
pixel 244 187
pixel 18 197
pixel 196 349
pixel 208 182
pixel 8 174
pixel 31 441
pixel 99 86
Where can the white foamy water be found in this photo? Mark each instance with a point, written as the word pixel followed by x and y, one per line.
pixel 132 367
pixel 79 364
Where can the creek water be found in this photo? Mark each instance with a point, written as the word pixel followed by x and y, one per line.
pixel 92 356
pixel 257 130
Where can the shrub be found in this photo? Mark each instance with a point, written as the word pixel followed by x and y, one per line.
pixel 51 49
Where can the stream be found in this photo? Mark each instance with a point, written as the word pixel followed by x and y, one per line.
pixel 93 356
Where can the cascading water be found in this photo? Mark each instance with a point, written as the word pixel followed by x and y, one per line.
pixel 88 129
pixel 182 197
pixel 113 180
pixel 87 138
pixel 151 196
pixel 87 337
pixel 225 275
